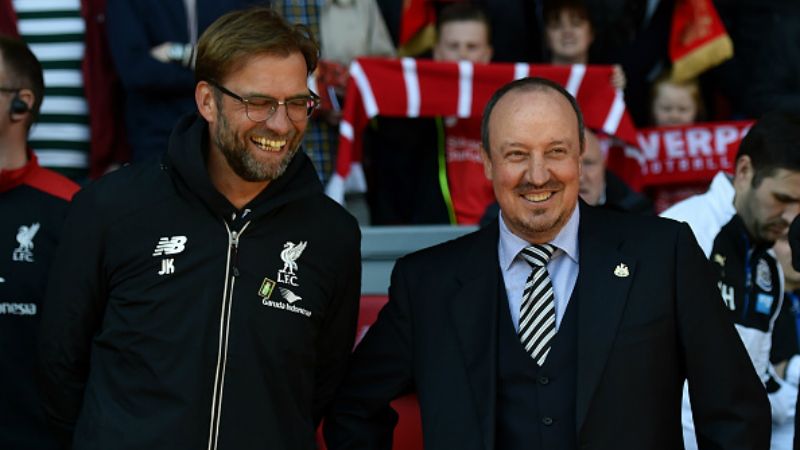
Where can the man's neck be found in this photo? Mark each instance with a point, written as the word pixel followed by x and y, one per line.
pixel 13 154
pixel 755 240
pixel 238 191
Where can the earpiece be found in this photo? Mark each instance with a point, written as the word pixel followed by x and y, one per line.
pixel 18 106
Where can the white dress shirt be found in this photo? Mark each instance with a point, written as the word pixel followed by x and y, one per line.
pixel 562 267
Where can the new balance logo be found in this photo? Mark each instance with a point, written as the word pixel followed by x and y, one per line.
pixel 170 246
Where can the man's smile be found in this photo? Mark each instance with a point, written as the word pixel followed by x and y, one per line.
pixel 538 197
pixel 270 145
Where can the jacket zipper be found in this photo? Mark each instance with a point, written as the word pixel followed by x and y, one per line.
pixel 231 273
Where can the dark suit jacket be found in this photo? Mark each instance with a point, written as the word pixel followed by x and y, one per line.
pixel 639 338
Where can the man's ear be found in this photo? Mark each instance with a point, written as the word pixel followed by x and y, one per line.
pixel 22 104
pixel 743 177
pixel 206 101
pixel 487 162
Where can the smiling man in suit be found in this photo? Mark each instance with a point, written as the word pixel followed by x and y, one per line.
pixel 558 327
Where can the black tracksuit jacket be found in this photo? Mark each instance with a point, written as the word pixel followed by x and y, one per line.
pixel 33 203
pixel 174 321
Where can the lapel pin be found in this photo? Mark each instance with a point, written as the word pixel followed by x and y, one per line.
pixel 621 270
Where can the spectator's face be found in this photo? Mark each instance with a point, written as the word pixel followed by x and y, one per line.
pixel 568 37
pixel 534 162
pixel 784 253
pixel 463 40
pixel 5 99
pixel 260 151
pixel 673 105
pixel 593 171
pixel 13 89
pixel 766 210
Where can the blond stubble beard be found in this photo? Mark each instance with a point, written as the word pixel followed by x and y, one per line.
pixel 242 161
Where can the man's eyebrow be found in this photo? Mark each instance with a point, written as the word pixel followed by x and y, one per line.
pixel 552 143
pixel 784 197
pixel 511 144
pixel 265 96
pixel 555 142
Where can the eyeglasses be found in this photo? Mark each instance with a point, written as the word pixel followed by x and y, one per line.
pixel 260 108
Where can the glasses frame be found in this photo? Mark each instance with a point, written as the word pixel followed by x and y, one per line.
pixel 315 101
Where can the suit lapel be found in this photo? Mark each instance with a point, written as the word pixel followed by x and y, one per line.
pixel 604 279
pixel 473 311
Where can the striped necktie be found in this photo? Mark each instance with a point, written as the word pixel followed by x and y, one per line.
pixel 537 318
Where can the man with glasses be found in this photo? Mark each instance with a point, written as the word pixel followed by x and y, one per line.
pixel 209 300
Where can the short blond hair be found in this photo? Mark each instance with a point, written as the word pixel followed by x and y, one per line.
pixel 239 35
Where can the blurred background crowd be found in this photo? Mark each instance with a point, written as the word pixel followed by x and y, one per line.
pixel 118 75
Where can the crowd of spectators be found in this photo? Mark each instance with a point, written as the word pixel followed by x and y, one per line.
pixel 120 74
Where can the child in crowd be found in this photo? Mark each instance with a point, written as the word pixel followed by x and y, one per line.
pixel 569 35
pixel 674 104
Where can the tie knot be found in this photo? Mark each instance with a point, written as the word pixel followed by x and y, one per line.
pixel 537 255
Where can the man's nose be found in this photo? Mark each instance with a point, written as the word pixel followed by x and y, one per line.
pixel 538 172
pixel 279 122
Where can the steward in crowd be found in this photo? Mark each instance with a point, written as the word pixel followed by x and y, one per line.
pixel 33 202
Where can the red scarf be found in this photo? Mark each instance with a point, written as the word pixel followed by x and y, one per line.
pixel 423 88
pixel 679 155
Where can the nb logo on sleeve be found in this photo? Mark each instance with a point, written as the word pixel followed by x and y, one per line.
pixel 170 246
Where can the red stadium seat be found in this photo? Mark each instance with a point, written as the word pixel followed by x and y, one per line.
pixel 408 433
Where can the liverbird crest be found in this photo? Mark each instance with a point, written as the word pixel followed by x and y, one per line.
pixel 290 253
